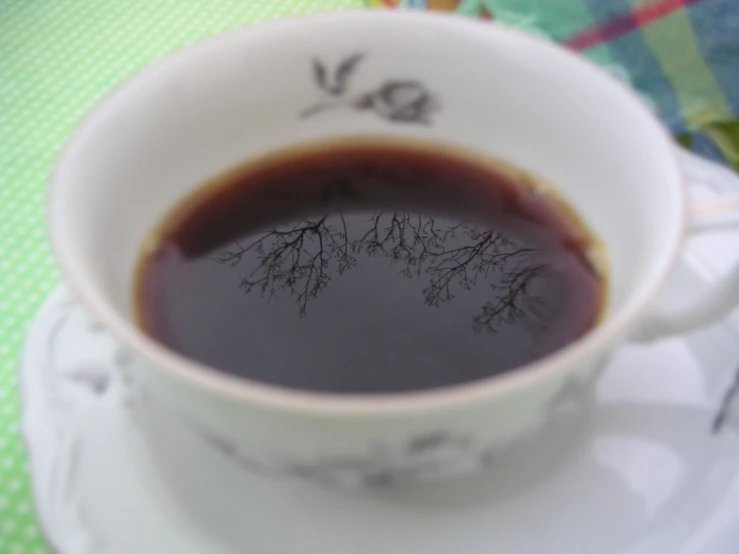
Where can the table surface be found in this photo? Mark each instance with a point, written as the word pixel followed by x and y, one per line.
pixel 57 59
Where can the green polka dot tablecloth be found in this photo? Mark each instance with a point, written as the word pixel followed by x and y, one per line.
pixel 57 59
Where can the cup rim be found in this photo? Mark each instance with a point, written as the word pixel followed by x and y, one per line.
pixel 203 376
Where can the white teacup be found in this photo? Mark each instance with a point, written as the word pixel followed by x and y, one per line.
pixel 477 86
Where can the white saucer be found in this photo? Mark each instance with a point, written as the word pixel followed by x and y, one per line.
pixel 648 473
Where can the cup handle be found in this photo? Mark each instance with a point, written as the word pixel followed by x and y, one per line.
pixel 711 305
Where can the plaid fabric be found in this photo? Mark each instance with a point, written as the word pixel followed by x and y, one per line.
pixel 682 55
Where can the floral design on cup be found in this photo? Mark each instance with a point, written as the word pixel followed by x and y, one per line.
pixel 396 100
pixel 382 466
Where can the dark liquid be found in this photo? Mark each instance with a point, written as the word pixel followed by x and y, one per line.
pixel 369 268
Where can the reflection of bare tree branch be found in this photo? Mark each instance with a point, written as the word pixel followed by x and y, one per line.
pixel 295 259
pixel 410 240
pixel 466 264
pixel 418 244
pixel 516 303
pixel 298 260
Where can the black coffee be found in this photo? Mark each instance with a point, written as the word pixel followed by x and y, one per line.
pixel 369 267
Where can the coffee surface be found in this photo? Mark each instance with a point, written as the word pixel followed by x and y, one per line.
pixel 369 267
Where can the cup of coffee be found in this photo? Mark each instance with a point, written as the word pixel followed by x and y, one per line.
pixel 349 252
